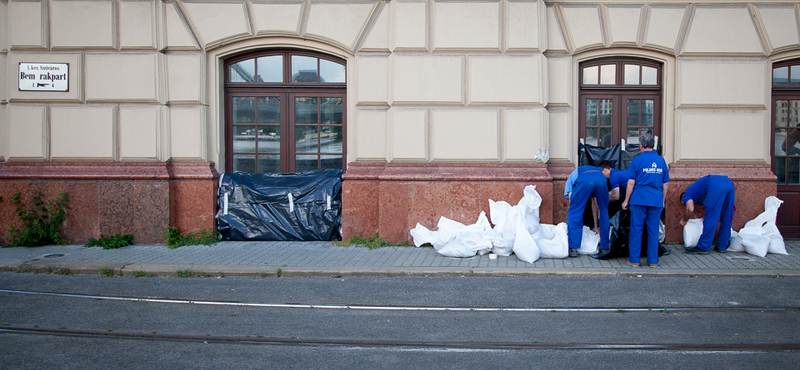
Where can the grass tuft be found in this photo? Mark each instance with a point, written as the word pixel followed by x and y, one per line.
pixel 111 242
pixel 188 273
pixel 176 239
pixel 374 242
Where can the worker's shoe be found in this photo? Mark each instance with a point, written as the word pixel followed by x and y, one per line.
pixel 602 253
pixel 631 264
pixel 695 250
pixel 573 253
pixel 720 250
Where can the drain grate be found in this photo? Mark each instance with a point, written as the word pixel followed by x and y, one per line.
pixel 53 255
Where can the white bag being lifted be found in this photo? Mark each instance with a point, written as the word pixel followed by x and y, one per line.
pixel 692 232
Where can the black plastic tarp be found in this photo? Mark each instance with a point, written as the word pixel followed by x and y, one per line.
pixel 590 155
pixel 297 206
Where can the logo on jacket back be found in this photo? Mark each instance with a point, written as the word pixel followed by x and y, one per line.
pixel 652 170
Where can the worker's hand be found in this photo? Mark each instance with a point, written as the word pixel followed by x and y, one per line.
pixel 625 205
pixel 597 231
pixel 682 222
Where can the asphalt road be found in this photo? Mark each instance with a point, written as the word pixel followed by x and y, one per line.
pixel 390 323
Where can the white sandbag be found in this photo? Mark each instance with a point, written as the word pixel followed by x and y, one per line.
pixel 754 241
pixel 447 231
pixel 589 241
pixel 474 236
pixel 455 248
pixel 524 246
pixel 776 244
pixel 662 232
pixel 692 232
pixel 552 241
pixel 764 226
pixel 498 212
pixel 530 202
pixel 735 244
pixel 422 235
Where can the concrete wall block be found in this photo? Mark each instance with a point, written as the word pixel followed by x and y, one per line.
pixel 583 24
pixel 219 21
pixel 25 132
pixel 82 132
pixel 409 134
pixel 523 23
pixel 665 26
pixel 624 23
pixel 26 26
pixel 428 78
pixel 81 24
pixel 4 77
pixel 703 81
pixel 178 34
pixel 467 25
pixel 122 77
pixel 139 128
pixel 74 94
pixel 512 79
pixel 277 17
pixel 523 134
pixel 555 34
pixel 186 132
pixel 781 24
pixel 722 29
pixel 465 135
pixel 370 134
pixel 723 135
pixel 411 25
pixel 378 37
pixel 559 79
pixel 185 77
pixel 4 30
pixel 563 140
pixel 137 24
pixel 338 22
pixel 372 78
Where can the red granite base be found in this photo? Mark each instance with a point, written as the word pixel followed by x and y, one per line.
pixel 390 199
pixel 115 198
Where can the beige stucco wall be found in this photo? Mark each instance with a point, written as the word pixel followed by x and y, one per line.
pixel 428 81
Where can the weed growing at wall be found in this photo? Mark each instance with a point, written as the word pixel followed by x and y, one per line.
pixel 40 225
pixel 175 239
pixel 111 242
pixel 371 243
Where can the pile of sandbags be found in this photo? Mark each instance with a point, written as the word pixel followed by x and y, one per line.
pixel 516 230
pixel 758 237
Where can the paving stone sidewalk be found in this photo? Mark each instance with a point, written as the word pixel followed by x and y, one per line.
pixel 327 259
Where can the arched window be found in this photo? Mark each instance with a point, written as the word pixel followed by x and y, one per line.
pixel 285 112
pixel 620 98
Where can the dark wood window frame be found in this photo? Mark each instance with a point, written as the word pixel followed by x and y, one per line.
pixel 619 94
pixel 287 92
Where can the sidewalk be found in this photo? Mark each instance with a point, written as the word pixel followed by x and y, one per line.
pixel 292 259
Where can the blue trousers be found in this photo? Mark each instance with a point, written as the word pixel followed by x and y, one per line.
pixel 718 205
pixel 641 217
pixel 589 184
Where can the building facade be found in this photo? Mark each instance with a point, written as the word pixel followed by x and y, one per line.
pixel 432 107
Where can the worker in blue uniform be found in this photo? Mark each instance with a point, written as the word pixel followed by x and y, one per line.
pixel 646 193
pixel 717 194
pixel 591 183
